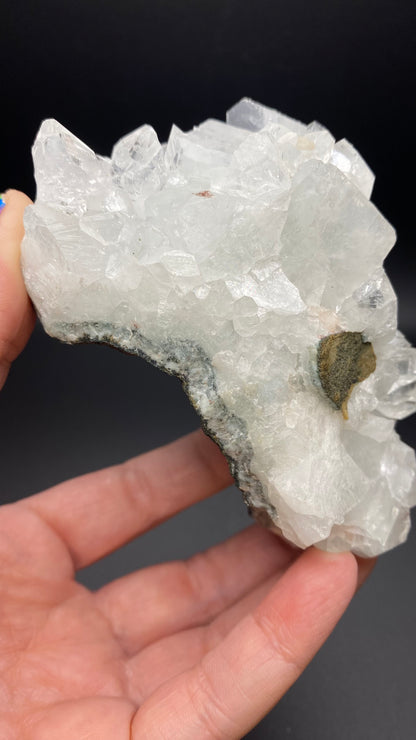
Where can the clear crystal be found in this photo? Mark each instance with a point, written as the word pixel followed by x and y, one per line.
pixel 225 256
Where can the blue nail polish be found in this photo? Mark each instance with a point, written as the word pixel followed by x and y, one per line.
pixel 2 202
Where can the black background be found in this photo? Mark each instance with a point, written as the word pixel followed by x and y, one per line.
pixel 104 68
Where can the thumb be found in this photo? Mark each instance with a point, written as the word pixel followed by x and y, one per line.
pixel 17 317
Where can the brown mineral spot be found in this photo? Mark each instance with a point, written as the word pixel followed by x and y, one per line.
pixel 205 194
pixel 344 359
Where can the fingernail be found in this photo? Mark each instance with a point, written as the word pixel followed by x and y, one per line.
pixel 2 201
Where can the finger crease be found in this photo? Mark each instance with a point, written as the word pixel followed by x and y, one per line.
pixel 209 709
pixel 279 638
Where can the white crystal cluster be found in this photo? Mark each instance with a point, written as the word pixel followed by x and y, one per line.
pixel 224 256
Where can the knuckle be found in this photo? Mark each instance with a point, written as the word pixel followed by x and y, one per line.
pixel 209 709
pixel 136 486
pixel 205 581
pixel 280 641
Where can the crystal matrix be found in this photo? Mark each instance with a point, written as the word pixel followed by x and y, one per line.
pixel 245 257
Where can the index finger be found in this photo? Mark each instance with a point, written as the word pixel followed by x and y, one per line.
pixel 238 681
pixel 99 512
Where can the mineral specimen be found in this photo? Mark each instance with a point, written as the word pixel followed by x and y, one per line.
pixel 246 258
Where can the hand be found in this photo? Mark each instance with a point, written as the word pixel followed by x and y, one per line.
pixel 197 650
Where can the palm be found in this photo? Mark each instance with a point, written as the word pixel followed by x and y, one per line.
pixel 62 651
pixel 94 658
pixel 200 649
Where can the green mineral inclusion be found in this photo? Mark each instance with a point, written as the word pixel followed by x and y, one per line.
pixel 344 359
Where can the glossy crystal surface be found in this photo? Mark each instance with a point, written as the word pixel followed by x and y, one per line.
pixel 225 256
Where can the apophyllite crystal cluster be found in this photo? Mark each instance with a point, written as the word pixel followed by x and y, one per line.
pixel 246 258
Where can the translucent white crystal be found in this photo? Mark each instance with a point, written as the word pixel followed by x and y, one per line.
pixel 225 256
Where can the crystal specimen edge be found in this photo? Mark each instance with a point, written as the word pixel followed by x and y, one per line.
pixel 246 258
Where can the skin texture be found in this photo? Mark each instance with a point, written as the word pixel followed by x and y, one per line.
pixel 202 648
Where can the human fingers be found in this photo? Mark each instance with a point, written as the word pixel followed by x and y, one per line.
pixel 89 718
pixel 180 595
pixel 17 317
pixel 99 512
pixel 176 653
pixel 163 660
pixel 239 681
